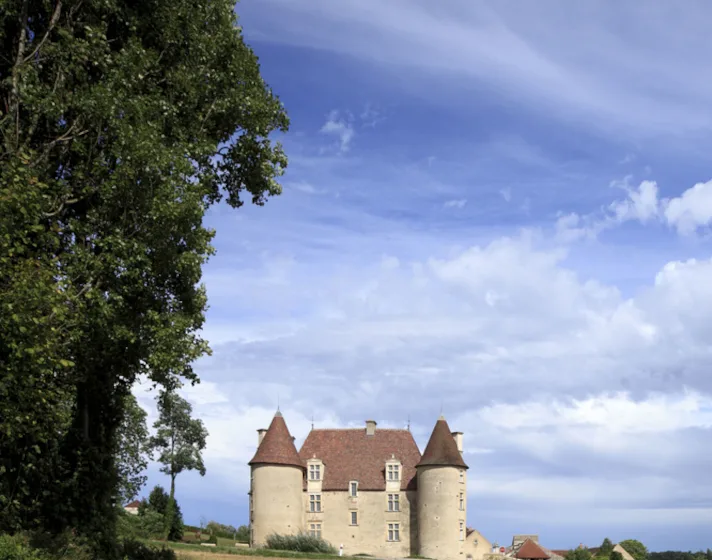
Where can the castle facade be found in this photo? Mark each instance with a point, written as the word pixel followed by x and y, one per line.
pixel 367 490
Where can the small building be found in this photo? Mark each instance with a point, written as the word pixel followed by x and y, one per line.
pixel 132 508
pixel 530 550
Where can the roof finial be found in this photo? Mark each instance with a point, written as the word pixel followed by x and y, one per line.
pixel 277 402
pixel 312 421
pixel 409 422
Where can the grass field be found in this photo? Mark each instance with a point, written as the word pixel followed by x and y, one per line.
pixel 228 550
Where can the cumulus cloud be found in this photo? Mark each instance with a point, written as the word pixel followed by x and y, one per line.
pixel 496 333
pixel 567 387
pixel 688 214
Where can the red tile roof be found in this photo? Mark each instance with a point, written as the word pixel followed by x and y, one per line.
pixel 558 552
pixel 531 551
pixel 133 504
pixel 442 449
pixel 277 447
pixel 352 455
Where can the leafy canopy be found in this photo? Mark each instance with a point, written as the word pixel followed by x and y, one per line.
pixel 121 122
pixel 179 439
pixel 132 450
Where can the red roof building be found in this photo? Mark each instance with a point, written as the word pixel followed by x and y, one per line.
pixel 352 454
pixel 277 446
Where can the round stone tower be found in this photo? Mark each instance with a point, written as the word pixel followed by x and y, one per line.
pixel 442 496
pixel 276 485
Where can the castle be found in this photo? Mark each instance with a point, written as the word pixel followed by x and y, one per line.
pixel 367 490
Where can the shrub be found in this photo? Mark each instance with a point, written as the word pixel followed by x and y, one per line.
pixel 149 525
pixel 135 550
pixel 301 542
pixel 14 548
pixel 63 545
pixel 212 539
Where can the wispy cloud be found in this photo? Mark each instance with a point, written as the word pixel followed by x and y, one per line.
pixel 338 126
pixel 642 75
pixel 459 203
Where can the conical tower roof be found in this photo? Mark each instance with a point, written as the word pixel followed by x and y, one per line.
pixel 277 447
pixel 441 449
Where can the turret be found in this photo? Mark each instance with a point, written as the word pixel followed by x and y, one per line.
pixel 276 486
pixel 442 495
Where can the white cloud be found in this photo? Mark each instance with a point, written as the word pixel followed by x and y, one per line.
pixel 688 214
pixel 455 203
pixel 640 77
pixel 336 125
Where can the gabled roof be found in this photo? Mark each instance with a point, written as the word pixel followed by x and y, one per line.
pixel 531 551
pixel 133 504
pixel 352 455
pixel 277 447
pixel 442 449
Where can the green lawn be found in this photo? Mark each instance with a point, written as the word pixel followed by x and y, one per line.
pixel 227 546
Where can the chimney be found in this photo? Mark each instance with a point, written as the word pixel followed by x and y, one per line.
pixel 458 440
pixel 370 427
pixel 260 435
pixel 294 438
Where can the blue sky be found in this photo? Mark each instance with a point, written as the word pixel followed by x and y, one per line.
pixel 501 208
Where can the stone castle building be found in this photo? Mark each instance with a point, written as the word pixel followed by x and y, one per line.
pixel 368 490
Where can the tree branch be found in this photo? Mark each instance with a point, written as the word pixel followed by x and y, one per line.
pixel 52 22
pixel 16 68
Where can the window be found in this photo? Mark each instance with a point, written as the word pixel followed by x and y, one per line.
pixel 393 502
pixel 354 518
pixel 462 530
pixel 315 530
pixel 314 502
pixel 353 489
pixel 462 476
pixel 462 501
pixel 393 472
pixel 393 532
pixel 314 472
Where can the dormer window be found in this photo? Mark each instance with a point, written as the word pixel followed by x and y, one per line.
pixel 353 489
pixel 314 472
pixel 393 472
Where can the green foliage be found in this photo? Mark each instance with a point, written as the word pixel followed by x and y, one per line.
pixel 179 440
pixel 615 555
pixel 212 539
pixel 14 548
pixel 301 542
pixel 240 534
pixel 606 548
pixel 157 500
pixel 175 532
pixel 678 555
pixel 136 550
pixel 635 548
pixel 148 525
pixel 579 554
pixel 121 123
pixel 131 450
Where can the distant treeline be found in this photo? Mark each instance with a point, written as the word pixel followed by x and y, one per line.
pixel 679 555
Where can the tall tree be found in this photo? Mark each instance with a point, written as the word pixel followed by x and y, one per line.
pixel 132 450
pixel 121 122
pixel 179 442
pixel 604 551
pixel 635 548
